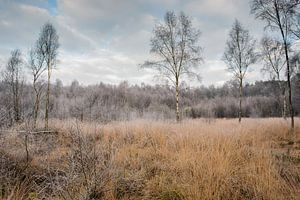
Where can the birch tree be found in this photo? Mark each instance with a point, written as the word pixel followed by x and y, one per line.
pixel 279 16
pixel 175 46
pixel 239 55
pixel 274 62
pixel 49 45
pixel 37 68
pixel 13 78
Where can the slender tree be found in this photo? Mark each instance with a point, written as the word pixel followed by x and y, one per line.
pixel 239 55
pixel 49 44
pixel 37 67
pixel 272 54
pixel 13 78
pixel 280 16
pixel 176 49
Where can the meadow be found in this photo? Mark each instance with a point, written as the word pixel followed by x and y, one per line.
pixel 194 159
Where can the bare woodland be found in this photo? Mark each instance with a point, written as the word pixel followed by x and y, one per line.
pixel 168 141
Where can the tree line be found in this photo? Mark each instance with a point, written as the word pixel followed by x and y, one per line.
pixel 105 102
pixel 177 55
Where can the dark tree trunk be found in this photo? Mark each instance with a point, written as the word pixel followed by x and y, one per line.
pixel 240 100
pixel 177 101
pixel 284 38
pixel 47 99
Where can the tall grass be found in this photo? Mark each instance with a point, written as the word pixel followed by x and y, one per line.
pixel 196 159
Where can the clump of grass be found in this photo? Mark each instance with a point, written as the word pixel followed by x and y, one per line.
pixel 130 186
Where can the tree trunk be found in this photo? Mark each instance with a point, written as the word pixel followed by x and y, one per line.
pixel 282 97
pixel 284 38
pixel 90 111
pixel 36 111
pixel 16 109
pixel 36 105
pixel 47 100
pixel 10 115
pixel 240 104
pixel 284 107
pixel 291 109
pixel 16 99
pixel 177 101
pixel 81 116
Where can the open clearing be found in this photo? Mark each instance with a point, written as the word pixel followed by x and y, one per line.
pixel 196 159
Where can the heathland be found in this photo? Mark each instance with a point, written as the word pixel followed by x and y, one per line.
pixel 194 159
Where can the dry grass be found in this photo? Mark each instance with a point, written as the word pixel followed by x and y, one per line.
pixel 197 159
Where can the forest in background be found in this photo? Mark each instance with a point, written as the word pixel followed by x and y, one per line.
pixel 106 102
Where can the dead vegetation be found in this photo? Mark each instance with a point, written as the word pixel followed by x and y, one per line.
pixel 257 159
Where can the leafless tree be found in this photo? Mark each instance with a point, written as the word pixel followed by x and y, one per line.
pixel 280 16
pixel 296 25
pixel 49 44
pixel 176 48
pixel 239 55
pixel 274 62
pixel 13 77
pixel 37 67
pixel 90 100
pixel 295 63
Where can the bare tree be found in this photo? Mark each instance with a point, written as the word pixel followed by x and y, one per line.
pixel 90 100
pixel 280 16
pixel 274 62
pixel 295 28
pixel 295 63
pixel 239 55
pixel 13 77
pixel 37 67
pixel 58 87
pixel 48 43
pixel 175 45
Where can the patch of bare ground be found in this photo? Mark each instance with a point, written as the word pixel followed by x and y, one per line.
pixel 196 159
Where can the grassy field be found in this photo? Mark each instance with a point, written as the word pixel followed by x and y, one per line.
pixel 196 159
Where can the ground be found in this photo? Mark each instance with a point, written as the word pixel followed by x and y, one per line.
pixel 195 159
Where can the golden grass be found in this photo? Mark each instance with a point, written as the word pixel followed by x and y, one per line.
pixel 196 159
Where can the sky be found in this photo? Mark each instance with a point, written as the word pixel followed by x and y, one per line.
pixel 106 40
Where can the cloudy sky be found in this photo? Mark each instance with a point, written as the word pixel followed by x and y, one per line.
pixel 105 40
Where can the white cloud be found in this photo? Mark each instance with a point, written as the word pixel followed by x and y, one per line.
pixel 225 8
pixel 106 40
pixel 99 66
